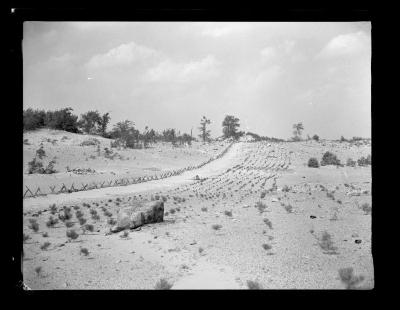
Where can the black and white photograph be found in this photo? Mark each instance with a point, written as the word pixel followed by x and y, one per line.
pixel 197 155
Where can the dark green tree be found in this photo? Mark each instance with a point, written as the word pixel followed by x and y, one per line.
pixel 204 133
pixel 230 126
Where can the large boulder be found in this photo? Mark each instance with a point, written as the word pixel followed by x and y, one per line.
pixel 139 215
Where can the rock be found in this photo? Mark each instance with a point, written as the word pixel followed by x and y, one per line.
pixel 312 217
pixel 358 241
pixel 139 215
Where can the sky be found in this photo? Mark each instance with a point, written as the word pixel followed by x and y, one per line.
pixel 169 74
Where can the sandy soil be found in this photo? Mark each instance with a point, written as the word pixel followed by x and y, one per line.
pixel 189 253
pixel 131 163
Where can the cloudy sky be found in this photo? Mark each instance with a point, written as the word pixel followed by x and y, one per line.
pixel 170 74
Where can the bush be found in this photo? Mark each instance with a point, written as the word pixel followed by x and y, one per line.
pixel 35 166
pixel 313 162
pixel 364 161
pixel 33 119
pixel 350 162
pixel 90 141
pixel 253 285
pixel 163 284
pixel 315 137
pixel 330 159
pixel 349 279
pixel 62 120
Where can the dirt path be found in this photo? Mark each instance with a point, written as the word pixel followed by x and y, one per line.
pixel 213 168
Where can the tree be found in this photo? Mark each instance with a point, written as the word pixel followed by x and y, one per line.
pixel 204 133
pixel 297 129
pixel 316 137
pixel 33 119
pixel 229 126
pixel 169 135
pixel 103 123
pixel 89 121
pixel 126 133
pixel 62 119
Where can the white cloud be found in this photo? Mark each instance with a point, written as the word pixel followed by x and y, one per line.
pixel 124 54
pixel 168 70
pixel 346 44
pixel 221 29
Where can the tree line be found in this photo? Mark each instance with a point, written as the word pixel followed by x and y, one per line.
pixel 124 133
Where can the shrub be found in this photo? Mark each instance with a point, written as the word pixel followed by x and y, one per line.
pixel 72 234
pixel 216 227
pixel 53 209
pixel 329 159
pixel 89 227
pixel 40 152
pixel 45 245
pixel 350 162
pixel 50 167
pixel 69 224
pixel 228 213
pixel 62 119
pixel 364 161
pixel 125 234
pixel 261 206
pixel 288 208
pixel 263 193
pixel 326 243
pixel 266 247
pixel 35 166
pixel 33 225
pixel 268 223
pixel 285 189
pixel 90 141
pixel 84 251
pixel 33 119
pixel 25 237
pixel 82 221
pixel 349 279
pixel 253 285
pixel 38 270
pixel 204 209
pixel 163 284
pixel 366 208
pixel 51 222
pixel 313 162
pixel 315 137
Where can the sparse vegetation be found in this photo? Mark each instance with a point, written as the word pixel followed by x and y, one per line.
pixel 313 163
pixel 163 284
pixel 254 285
pixel 349 279
pixel 326 244
pixel 216 226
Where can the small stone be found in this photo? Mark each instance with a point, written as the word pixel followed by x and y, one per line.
pixel 312 217
pixel 358 241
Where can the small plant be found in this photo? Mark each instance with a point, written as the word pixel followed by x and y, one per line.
pixel 350 162
pixel 51 222
pixel 88 227
pixel 163 284
pixel 268 223
pixel 38 271
pixel 261 206
pixel 228 213
pixel 366 208
pixel 253 285
pixel 25 237
pixel 285 189
pixel 33 225
pixel 288 208
pixel 263 193
pixel 216 227
pixel 79 214
pixel 172 211
pixel 266 247
pixel 69 224
pixel 111 221
pixel 364 161
pixel 201 250
pixel 40 152
pixel 329 159
pixel 84 251
pixel 72 234
pixel 45 234
pixel 125 234
pixel 82 221
pixel 45 245
pixel 349 279
pixel 53 209
pixel 313 163
pixel 326 243
pixel 204 209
